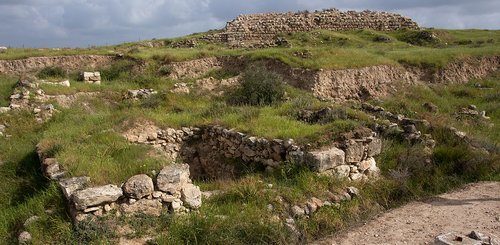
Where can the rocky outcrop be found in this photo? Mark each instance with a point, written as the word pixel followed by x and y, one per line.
pixel 75 62
pixel 464 70
pixel 261 30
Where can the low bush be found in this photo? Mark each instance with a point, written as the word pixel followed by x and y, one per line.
pixel 51 72
pixel 117 69
pixel 259 87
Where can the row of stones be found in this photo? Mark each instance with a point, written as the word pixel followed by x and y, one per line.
pixel 352 158
pixel 259 27
pixel 171 190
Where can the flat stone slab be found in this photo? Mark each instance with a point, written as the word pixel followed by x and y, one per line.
pixel 70 185
pixel 96 196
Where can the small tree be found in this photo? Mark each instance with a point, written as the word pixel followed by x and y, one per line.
pixel 259 86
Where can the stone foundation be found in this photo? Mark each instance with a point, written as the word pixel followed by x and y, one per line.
pixel 217 152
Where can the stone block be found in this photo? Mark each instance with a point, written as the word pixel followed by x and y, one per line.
pixel 323 160
pixel 173 177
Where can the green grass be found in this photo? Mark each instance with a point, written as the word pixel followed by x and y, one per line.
pixel 326 49
pixel 6 88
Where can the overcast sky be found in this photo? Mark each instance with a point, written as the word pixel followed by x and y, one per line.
pixel 80 23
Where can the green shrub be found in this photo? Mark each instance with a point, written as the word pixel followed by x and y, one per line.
pixel 259 87
pixel 117 69
pixel 165 70
pixel 51 72
pixel 421 38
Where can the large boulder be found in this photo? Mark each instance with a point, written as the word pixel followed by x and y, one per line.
pixel 96 196
pixel 172 178
pixel 138 186
pixel 323 160
pixel 191 196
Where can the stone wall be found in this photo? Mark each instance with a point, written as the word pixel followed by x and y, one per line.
pixel 214 151
pixel 171 191
pixel 256 30
pixel 75 62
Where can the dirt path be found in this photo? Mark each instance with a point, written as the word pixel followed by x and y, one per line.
pixel 474 207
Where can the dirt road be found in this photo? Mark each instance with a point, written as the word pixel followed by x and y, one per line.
pixel 474 207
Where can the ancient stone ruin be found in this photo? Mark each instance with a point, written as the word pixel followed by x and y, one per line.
pixel 170 190
pixel 91 77
pixel 261 30
pixel 211 151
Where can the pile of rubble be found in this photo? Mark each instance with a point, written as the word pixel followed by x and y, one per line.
pixel 28 95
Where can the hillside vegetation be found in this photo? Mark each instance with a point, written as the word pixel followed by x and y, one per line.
pixel 85 135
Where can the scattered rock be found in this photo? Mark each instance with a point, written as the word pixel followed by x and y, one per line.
pixel 4 109
pixel 453 238
pixel 30 221
pixel 138 186
pixel 140 93
pixel 180 88
pixel 353 191
pixel 298 212
pixel 430 107
pixel 484 238
pixel 191 196
pixel 24 238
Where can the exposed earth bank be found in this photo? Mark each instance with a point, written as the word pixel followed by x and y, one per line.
pixel 474 207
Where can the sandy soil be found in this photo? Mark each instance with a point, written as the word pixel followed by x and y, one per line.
pixel 474 207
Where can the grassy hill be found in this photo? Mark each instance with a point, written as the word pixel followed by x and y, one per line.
pixel 86 136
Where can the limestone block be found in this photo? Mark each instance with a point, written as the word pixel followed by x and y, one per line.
pixel 191 196
pixel 96 196
pixel 323 160
pixel 173 177
pixel 354 151
pixel 70 185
